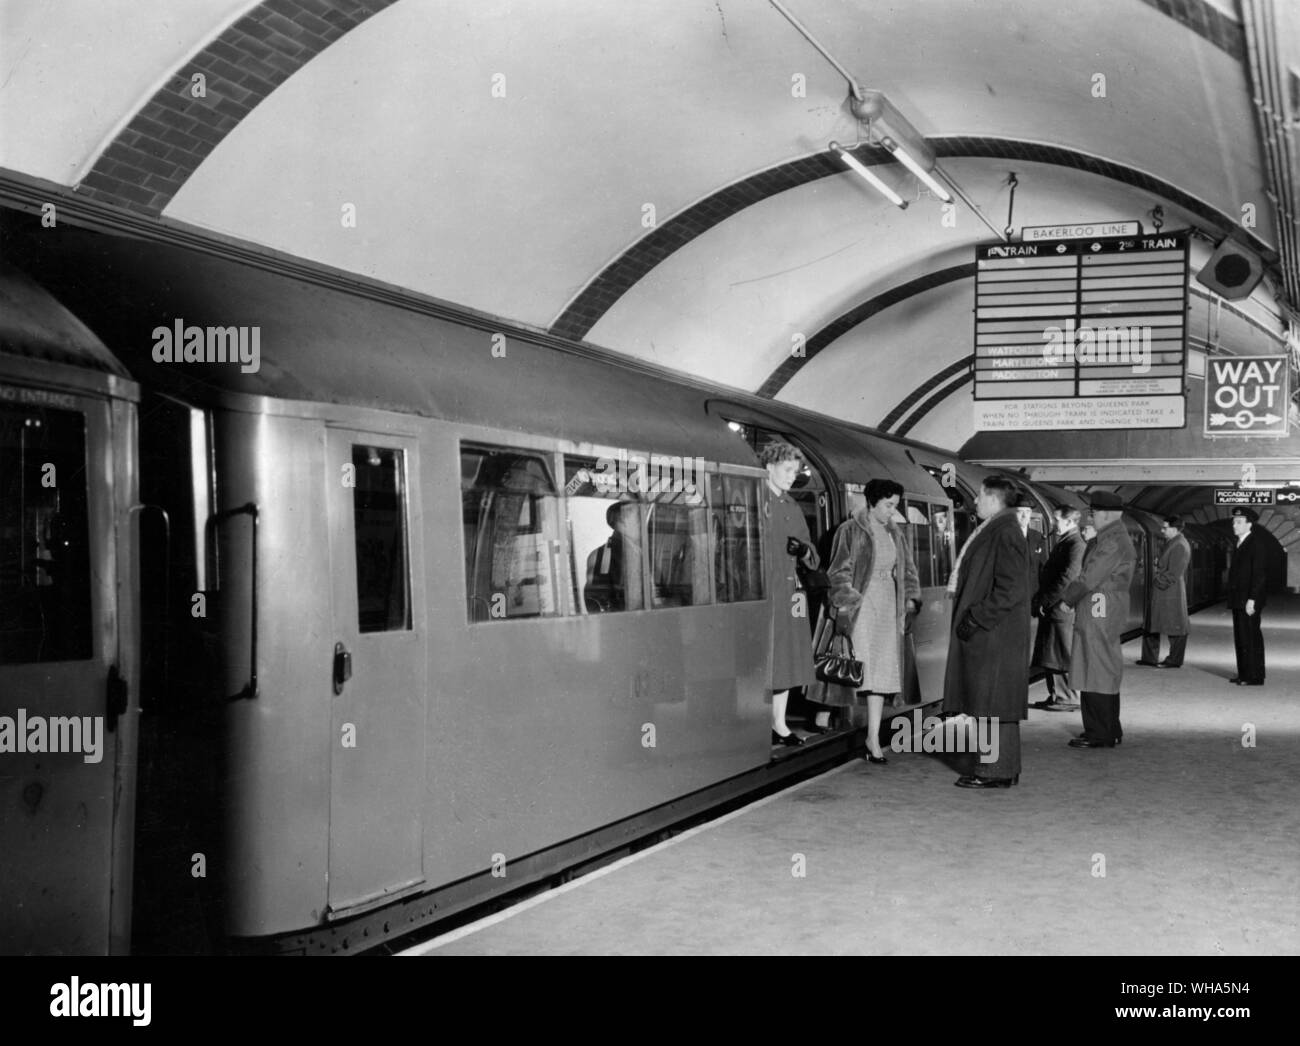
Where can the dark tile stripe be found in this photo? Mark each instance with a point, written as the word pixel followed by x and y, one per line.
pixel 844 323
pixel 1207 22
pixel 938 396
pixel 962 366
pixel 153 156
pixel 623 273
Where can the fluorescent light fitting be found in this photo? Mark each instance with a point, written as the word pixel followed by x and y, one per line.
pixel 870 178
pixel 905 158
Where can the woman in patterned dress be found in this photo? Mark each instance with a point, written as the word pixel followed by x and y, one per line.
pixel 876 591
pixel 792 660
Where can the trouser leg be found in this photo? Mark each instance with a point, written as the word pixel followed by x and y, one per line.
pixel 1007 763
pixel 1100 716
pixel 1151 647
pixel 1241 643
pixel 1177 649
pixel 1255 648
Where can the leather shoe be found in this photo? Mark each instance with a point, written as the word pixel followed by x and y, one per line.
pixel 878 760
pixel 970 781
pixel 1166 664
pixel 1249 682
pixel 1087 742
pixel 1149 664
pixel 791 739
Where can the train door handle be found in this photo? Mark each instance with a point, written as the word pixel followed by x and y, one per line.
pixel 342 667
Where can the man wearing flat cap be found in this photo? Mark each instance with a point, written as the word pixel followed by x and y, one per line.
pixel 1247 584
pixel 1099 596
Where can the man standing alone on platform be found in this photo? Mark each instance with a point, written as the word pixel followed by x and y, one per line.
pixel 988 651
pixel 1247 587
pixel 1100 600
pixel 1169 599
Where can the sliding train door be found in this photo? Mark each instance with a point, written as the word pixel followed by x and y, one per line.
pixel 376 684
pixel 66 620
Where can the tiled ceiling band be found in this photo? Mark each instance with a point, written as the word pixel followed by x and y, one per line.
pixel 599 296
pixel 154 155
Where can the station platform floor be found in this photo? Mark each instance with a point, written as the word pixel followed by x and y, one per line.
pixel 1183 840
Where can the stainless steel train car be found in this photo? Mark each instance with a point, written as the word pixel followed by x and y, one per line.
pixel 441 609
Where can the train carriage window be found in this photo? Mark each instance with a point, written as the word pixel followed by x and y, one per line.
pixel 606 536
pixel 941 530
pixel 510 514
pixel 738 562
pixel 379 525
pixel 44 536
pixel 918 525
pixel 678 530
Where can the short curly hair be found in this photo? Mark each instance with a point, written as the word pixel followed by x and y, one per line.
pixel 777 451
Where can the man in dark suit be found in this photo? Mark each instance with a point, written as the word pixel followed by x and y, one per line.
pixel 1247 587
pixel 988 652
pixel 1100 598
pixel 1168 606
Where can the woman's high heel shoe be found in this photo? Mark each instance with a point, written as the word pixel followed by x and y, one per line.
pixel 791 739
pixel 879 760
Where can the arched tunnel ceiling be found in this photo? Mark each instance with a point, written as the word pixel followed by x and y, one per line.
pixel 502 156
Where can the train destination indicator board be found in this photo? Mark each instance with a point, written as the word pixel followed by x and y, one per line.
pixel 1081 333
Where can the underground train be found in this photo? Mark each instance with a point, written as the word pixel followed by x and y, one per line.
pixel 330 575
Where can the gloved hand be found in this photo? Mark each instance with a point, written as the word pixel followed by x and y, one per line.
pixel 843 624
pixel 966 628
pixel 795 547
pixel 909 616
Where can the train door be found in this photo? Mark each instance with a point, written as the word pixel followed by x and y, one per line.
pixel 67 484
pixel 930 528
pixel 377 680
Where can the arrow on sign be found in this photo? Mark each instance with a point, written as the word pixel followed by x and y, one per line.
pixel 1243 419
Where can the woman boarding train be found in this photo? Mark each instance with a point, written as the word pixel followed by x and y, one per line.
pixel 875 595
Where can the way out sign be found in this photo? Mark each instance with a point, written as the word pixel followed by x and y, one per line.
pixel 1247 395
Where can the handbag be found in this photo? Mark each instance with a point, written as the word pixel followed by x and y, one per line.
pixel 838 667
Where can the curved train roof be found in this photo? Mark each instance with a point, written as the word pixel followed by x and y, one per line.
pixel 364 347
pixel 33 325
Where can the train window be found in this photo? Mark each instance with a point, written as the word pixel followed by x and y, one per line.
pixel 918 525
pixel 605 525
pixel 941 530
pixel 510 514
pixel 737 538
pixel 44 536
pixel 678 530
pixel 379 524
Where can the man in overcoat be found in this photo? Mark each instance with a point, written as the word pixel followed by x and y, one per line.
pixel 1100 599
pixel 988 652
pixel 1056 620
pixel 1168 603
pixel 1247 589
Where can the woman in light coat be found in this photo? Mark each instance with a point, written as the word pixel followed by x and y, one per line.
pixel 876 593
